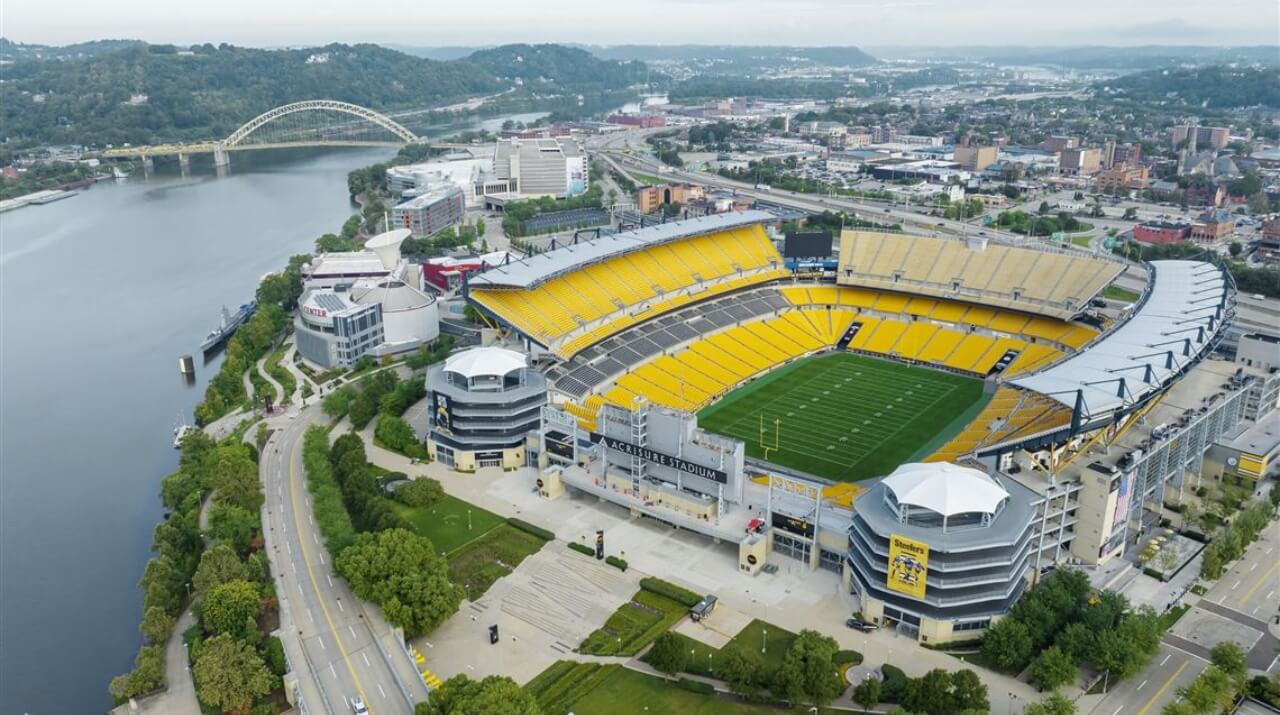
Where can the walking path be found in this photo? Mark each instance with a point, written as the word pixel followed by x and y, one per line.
pixel 179 698
pixel 261 367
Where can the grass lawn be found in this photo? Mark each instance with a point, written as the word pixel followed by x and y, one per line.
pixel 634 625
pixel 845 417
pixel 479 563
pixel 765 641
pixel 1081 241
pixel 449 524
pixel 1121 294
pixel 622 692
pixel 281 374
pixel 646 179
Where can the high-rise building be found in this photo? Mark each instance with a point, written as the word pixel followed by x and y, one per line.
pixel 542 167
pixel 1084 161
pixel 976 158
pixel 437 208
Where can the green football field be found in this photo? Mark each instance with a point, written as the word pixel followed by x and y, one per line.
pixel 846 417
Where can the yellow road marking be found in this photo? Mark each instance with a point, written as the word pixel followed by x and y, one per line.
pixel 1163 688
pixel 297 526
pixel 1256 586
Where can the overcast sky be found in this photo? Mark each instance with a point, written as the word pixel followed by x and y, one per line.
pixel 798 22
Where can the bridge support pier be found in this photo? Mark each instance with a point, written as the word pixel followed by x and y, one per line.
pixel 184 164
pixel 221 157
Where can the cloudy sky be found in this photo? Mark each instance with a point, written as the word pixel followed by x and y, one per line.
pixel 799 22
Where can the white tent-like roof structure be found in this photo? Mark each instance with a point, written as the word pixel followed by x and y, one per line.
pixel 485 362
pixel 945 488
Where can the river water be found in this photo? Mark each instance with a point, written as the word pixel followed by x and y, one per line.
pixel 99 295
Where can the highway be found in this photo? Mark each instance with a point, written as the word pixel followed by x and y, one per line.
pixel 338 648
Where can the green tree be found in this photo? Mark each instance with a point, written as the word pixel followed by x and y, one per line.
pixel 930 693
pixel 405 575
pixel 163 586
pixel 741 673
pixel 968 691
pixel 395 433
pixel 1053 669
pixel 233 525
pixel 156 625
pixel 867 694
pixel 1230 659
pixel 667 654
pixel 227 607
pixel 1076 640
pixel 336 403
pixel 1056 704
pixel 421 492
pixel 494 695
pixel 235 479
pixel 1235 248
pixel 147 675
pixel 808 672
pixel 1007 643
pixel 218 565
pixel 230 675
pixel 362 409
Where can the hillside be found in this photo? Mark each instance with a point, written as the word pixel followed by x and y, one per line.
pixel 148 94
pixel 744 59
pixel 10 50
pixel 557 66
pixel 1092 57
pixel 1215 87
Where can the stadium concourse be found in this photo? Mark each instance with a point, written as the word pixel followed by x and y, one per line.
pixel 695 380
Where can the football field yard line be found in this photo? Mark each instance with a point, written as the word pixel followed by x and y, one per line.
pixel 837 413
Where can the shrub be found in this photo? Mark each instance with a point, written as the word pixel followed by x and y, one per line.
pixel 683 596
pixel 275 656
pixel 616 562
pixel 696 686
pixel 582 548
pixel 528 528
pixel 421 492
pixel 847 657
pixel 895 682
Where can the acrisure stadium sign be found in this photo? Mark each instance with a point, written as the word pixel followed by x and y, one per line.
pixel 660 459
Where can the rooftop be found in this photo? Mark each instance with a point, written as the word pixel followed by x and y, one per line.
pixel 1166 333
pixel 945 488
pixel 485 362
pixel 1260 438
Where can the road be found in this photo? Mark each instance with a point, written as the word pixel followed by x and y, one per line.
pixel 1239 605
pixel 338 648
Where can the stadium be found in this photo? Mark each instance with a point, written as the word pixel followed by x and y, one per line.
pixel 696 379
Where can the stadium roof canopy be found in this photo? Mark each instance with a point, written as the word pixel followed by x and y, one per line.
pixel 1168 332
pixel 485 362
pixel 532 270
pixel 945 488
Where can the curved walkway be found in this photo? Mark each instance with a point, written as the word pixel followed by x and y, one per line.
pixel 261 367
pixel 179 697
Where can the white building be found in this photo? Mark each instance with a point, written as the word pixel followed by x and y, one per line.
pixel 541 167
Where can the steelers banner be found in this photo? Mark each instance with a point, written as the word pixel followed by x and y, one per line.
pixel 908 565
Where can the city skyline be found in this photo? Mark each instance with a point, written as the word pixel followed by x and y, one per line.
pixel 805 22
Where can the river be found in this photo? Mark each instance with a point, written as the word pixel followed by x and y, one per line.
pixel 99 295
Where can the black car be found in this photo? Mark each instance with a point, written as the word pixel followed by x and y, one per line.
pixel 861 625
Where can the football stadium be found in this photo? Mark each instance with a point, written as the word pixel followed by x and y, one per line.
pixel 696 377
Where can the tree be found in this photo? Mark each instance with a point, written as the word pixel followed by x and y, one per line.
pixel 968 692
pixel 1235 248
pixel 741 673
pixel 494 695
pixel 867 694
pixel 930 693
pixel 163 586
pixel 147 675
pixel 233 525
pixel 336 403
pixel 218 565
pixel 1053 669
pixel 1231 659
pixel 421 492
pixel 667 654
pixel 230 674
pixel 1130 214
pixel 808 672
pixel 156 625
pixel 1055 705
pixel 1007 643
pixel 1044 208
pixel 1076 640
pixel 235 479
pixel 394 432
pixel 405 575
pixel 227 607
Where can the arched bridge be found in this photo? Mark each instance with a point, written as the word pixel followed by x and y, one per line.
pixel 314 122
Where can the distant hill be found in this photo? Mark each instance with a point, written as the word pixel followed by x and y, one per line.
pixel 10 50
pixel 153 93
pixel 435 53
pixel 558 65
pixel 739 59
pixel 1215 87
pixel 1088 57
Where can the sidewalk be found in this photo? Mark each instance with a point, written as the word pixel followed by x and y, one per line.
pixel 179 698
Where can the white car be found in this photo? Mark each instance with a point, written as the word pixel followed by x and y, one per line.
pixel 357 706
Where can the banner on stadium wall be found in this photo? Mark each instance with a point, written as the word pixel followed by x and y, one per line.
pixel 908 565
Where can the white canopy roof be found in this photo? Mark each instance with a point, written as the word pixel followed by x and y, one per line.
pixel 1168 331
pixel 485 362
pixel 945 488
